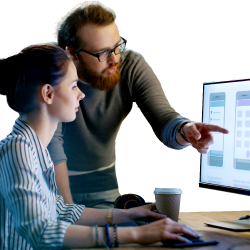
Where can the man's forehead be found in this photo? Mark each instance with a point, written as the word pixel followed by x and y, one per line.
pixel 98 37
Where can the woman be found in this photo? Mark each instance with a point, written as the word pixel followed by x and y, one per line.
pixel 41 85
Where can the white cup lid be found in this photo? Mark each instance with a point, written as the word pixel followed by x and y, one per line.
pixel 167 191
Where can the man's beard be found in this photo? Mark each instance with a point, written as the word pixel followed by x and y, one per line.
pixel 97 80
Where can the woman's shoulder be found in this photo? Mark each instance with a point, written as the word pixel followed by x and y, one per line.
pixel 15 142
pixel 16 155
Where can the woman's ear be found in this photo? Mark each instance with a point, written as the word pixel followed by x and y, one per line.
pixel 71 53
pixel 47 92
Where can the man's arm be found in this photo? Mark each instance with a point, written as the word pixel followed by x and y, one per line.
pixel 179 138
pixel 59 158
pixel 147 92
pixel 62 182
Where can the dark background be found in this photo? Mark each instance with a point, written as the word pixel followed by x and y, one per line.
pixel 184 51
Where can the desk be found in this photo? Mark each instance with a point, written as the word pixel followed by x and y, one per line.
pixel 196 220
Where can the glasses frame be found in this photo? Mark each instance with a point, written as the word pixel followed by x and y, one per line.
pixel 109 51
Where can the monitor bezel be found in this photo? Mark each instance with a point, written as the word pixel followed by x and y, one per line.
pixel 224 188
pixel 216 186
pixel 224 81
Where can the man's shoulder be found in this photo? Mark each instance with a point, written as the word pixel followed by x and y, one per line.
pixel 132 60
pixel 130 55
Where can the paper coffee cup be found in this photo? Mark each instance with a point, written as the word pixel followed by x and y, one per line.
pixel 168 201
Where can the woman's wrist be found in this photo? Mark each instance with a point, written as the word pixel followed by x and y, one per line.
pixel 121 216
pixel 113 236
pixel 128 235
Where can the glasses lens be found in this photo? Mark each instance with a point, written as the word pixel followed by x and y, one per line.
pixel 119 49
pixel 104 56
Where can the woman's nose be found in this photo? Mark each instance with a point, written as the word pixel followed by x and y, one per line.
pixel 81 95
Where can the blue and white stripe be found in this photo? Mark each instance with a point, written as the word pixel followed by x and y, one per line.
pixel 32 215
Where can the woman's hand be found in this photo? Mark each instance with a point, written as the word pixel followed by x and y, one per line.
pixel 145 213
pixel 164 229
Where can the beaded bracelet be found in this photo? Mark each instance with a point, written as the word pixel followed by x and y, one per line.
pixel 116 242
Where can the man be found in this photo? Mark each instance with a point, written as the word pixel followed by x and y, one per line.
pixel 111 78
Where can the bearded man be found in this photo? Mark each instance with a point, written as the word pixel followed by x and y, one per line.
pixel 112 78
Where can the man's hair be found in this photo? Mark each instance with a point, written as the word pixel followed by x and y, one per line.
pixel 88 12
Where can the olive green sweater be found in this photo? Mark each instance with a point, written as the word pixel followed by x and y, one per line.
pixel 88 143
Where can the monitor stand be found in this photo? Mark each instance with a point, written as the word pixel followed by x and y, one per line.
pixel 233 225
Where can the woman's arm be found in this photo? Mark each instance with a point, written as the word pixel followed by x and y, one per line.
pixel 92 216
pixel 25 198
pixel 82 236
pixel 165 229
pixel 80 215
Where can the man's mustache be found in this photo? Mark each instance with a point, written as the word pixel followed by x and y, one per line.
pixel 111 66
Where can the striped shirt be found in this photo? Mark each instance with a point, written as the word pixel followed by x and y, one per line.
pixel 32 215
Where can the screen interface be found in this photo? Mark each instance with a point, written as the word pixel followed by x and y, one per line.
pixel 227 163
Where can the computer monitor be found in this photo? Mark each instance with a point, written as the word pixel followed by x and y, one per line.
pixel 226 166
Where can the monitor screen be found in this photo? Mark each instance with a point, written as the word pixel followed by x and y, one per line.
pixel 226 166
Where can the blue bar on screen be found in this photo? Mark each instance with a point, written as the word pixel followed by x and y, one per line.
pixel 212 153
pixel 217 103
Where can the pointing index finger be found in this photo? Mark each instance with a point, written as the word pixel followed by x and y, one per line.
pixel 215 128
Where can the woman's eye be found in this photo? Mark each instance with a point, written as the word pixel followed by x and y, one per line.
pixel 74 87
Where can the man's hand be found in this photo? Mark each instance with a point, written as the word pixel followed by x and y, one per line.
pixel 145 213
pixel 200 135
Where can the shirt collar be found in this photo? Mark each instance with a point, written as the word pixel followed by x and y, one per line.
pixel 25 130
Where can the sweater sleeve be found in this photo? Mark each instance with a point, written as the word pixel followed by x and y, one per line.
pixel 24 197
pixel 55 146
pixel 147 92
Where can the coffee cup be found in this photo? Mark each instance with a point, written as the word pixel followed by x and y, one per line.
pixel 168 201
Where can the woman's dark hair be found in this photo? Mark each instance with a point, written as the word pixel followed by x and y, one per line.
pixel 90 12
pixel 22 74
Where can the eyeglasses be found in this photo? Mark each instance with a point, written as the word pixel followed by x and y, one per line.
pixel 104 56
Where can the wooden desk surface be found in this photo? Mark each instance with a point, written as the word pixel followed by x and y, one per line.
pixel 196 220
